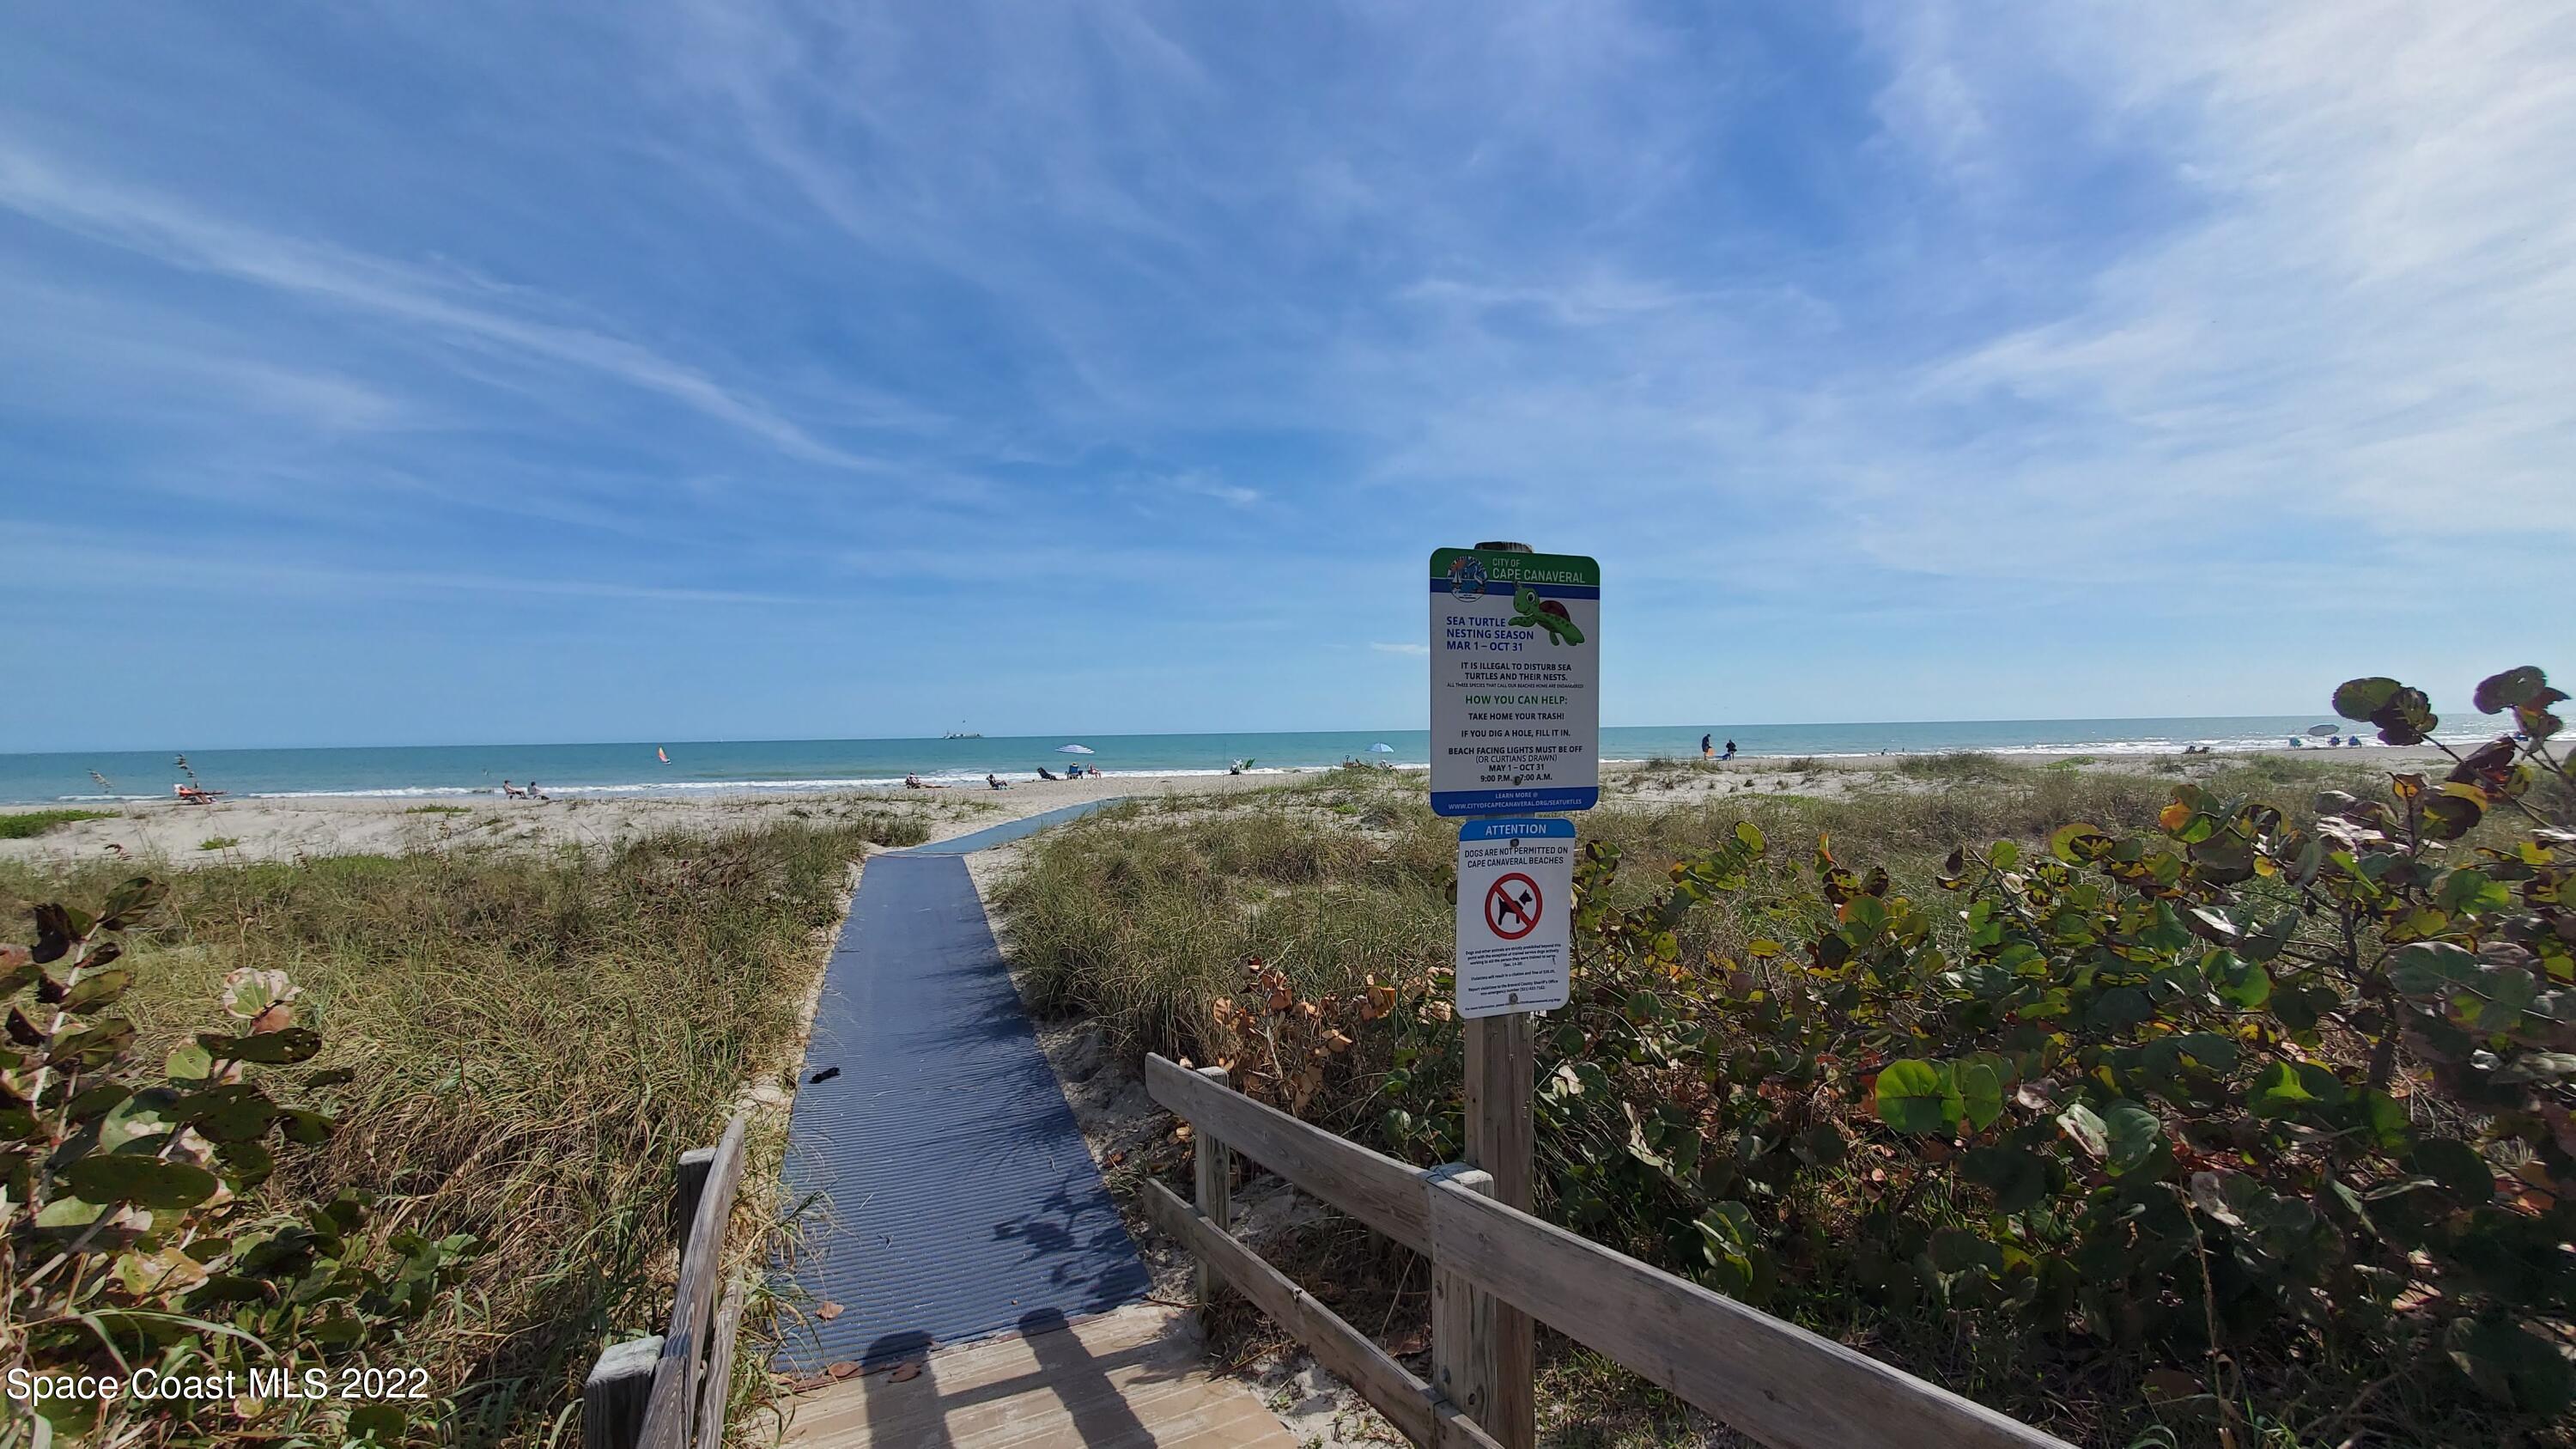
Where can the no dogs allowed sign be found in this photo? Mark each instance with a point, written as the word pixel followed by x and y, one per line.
pixel 1515 889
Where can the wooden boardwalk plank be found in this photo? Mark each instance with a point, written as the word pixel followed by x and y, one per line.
pixel 1132 1378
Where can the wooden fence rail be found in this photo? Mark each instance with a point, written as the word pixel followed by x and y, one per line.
pixel 669 1391
pixel 1769 1379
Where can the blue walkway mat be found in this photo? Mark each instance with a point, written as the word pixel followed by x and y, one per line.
pixel 1004 834
pixel 957 1195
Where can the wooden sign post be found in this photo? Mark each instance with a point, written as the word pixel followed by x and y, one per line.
pixel 1515 728
pixel 1499 1087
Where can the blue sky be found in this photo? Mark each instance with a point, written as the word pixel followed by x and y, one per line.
pixel 420 373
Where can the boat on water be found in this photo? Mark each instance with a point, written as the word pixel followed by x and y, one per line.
pixel 963 735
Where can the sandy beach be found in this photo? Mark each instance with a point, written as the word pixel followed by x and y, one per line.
pixel 175 834
pixel 172 834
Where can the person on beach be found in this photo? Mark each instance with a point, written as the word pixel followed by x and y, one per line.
pixel 914 782
pixel 996 781
pixel 509 791
pixel 1046 774
pixel 1704 750
pixel 534 793
pixel 1730 749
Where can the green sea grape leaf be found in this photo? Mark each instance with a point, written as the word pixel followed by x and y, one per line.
pixel 144 1181
pixel 2278 1092
pixel 2079 843
pixel 2017 1176
pixel 97 989
pixel 269 1048
pixel 2510 1364
pixel 2266 943
pixel 2359 699
pixel 2119 1008
pixel 2428 968
pixel 2207 1048
pixel 2457 1167
pixel 2505 994
pixel 1911 1096
pixel 1980 1092
pixel 2240 983
pixel 234 1112
pixel 2448 817
pixel 2499 692
pixel 2131 1134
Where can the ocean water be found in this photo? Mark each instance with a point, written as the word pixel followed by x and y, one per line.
pixel 753 766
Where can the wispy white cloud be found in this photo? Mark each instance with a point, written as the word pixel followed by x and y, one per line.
pixel 1421 651
pixel 179 236
pixel 61 561
pixel 2367 308
pixel 1206 483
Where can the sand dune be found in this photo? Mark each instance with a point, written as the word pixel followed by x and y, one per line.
pixel 173 834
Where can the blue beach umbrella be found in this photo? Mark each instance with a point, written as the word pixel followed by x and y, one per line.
pixel 1074 750
pixel 1381 748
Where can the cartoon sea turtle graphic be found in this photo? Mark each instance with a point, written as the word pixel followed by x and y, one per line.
pixel 1547 614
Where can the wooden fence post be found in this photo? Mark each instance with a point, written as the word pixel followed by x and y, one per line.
pixel 1214 1162
pixel 613 1397
pixel 1462 1320
pixel 1499 1088
pixel 686 1188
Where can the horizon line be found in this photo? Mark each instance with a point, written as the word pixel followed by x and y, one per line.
pixel 665 741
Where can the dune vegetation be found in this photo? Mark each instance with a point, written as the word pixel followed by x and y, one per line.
pixel 515 1046
pixel 2221 1100
pixel 28 824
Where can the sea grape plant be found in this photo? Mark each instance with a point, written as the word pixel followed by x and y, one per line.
pixel 140 1241
pixel 2213 1091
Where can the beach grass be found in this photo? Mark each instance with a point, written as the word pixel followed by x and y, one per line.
pixel 1142 914
pixel 219 842
pixel 436 810
pixel 28 824
pixel 1145 917
pixel 536 1037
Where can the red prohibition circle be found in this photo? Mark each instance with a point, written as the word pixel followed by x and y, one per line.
pixel 1501 904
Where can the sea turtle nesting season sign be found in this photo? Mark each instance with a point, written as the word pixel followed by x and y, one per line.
pixel 1515 902
pixel 1515 681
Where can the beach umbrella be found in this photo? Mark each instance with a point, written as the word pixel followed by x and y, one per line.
pixel 1381 748
pixel 2325 730
pixel 1074 750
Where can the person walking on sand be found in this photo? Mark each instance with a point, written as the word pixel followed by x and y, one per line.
pixel 1704 750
